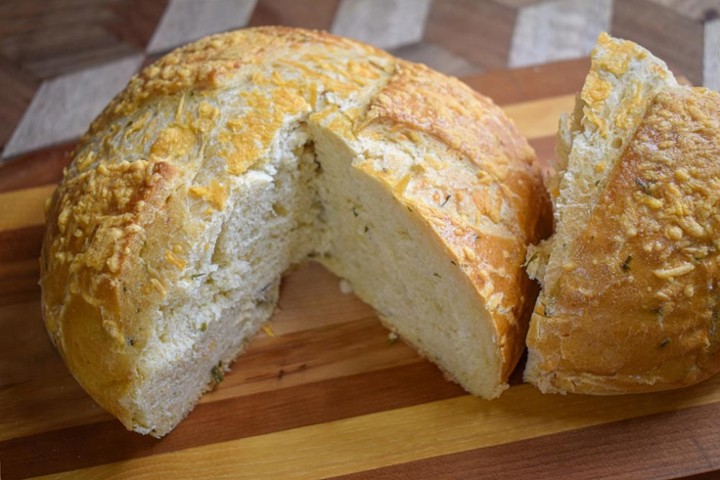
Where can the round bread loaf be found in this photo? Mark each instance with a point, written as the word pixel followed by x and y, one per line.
pixel 235 157
pixel 631 285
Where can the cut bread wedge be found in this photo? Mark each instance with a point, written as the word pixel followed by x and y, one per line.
pixel 630 279
pixel 234 158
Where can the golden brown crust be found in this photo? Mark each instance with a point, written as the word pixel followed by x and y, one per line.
pixel 177 114
pixel 506 193
pixel 93 294
pixel 636 308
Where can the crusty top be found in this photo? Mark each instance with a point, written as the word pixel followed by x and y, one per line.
pixel 164 156
pixel 636 308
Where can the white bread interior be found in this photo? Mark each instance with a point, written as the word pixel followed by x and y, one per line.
pixel 308 201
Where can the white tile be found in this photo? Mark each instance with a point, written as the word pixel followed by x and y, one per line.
pixel 711 55
pixel 63 107
pixel 385 24
pixel 558 30
pixel 188 20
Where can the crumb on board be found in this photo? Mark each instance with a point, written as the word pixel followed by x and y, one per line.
pixel 345 287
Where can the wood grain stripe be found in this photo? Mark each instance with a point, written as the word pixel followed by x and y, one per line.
pixel 229 419
pixel 539 118
pixel 531 83
pixel 21 244
pixel 41 167
pixel 655 446
pixel 24 208
pixel 391 437
pixel 19 281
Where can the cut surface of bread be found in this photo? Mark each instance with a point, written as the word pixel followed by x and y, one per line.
pixel 234 158
pixel 629 279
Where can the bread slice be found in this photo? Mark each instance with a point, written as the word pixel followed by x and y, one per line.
pixel 232 159
pixel 628 301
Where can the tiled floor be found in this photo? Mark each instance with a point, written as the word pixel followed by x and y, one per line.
pixel 62 60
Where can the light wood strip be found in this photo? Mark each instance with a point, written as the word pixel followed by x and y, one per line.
pixel 651 447
pixel 392 437
pixel 23 208
pixel 539 118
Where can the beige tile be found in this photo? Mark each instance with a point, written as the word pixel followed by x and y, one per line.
pixel 711 56
pixel 188 20
pixel 386 24
pixel 436 57
pixel 63 108
pixel 558 30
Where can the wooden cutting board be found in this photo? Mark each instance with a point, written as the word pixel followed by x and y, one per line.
pixel 323 393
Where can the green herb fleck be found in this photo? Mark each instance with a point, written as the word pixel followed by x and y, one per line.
pixel 197 275
pixel 203 326
pixel 446 200
pixel 437 275
pixel 355 212
pixel 626 264
pixel 664 343
pixel 129 341
pixel 217 373
pixel 644 186
pixel 366 228
pixel 453 262
pixel 409 209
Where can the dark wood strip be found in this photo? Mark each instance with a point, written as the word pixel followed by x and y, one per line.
pixel 21 243
pixel 19 282
pixel 19 264
pixel 653 447
pixel 105 442
pixel 531 83
pixel 37 168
